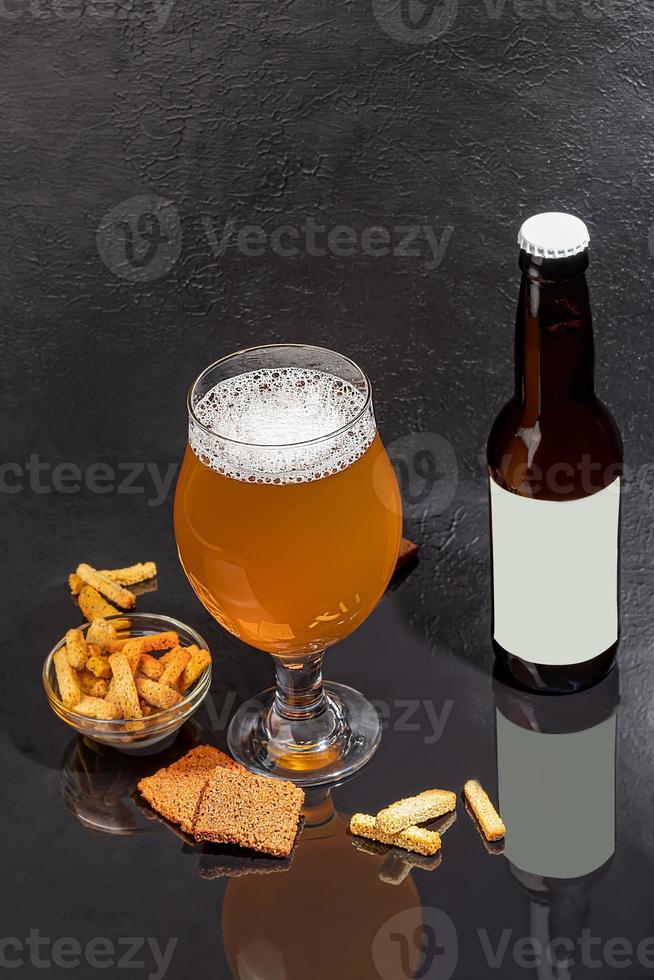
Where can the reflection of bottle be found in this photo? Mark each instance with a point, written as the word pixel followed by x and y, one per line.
pixel 555 465
pixel 556 787
pixel 320 918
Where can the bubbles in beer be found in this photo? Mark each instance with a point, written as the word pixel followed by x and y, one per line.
pixel 281 425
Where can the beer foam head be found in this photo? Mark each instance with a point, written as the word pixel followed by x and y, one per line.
pixel 281 425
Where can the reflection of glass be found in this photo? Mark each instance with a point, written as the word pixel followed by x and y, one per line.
pixel 320 918
pixel 99 784
pixel 556 759
pixel 288 522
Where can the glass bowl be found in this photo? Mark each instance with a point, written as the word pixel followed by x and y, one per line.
pixel 159 728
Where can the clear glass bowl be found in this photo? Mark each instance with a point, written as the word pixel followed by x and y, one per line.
pixel 160 727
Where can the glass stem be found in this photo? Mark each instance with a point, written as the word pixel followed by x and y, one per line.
pixel 299 694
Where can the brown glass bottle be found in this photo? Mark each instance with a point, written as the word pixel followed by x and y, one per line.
pixel 555 467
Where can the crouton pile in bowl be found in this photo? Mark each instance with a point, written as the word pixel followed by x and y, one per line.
pixel 129 681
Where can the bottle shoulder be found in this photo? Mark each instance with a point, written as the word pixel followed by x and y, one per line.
pixel 571 449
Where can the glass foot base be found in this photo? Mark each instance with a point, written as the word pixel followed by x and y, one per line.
pixel 332 744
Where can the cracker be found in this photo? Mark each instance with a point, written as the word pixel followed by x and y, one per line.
pixel 99 666
pixel 98 708
pixel 132 575
pixel 199 660
pixel 70 691
pixel 93 605
pixel 412 810
pixel 115 593
pixel 76 649
pixel 416 839
pixel 487 816
pixel 75 584
pixel 408 550
pixel 174 667
pixel 101 632
pixel 125 688
pixel 257 812
pixel 151 667
pixel 95 687
pixel 156 694
pixel 175 791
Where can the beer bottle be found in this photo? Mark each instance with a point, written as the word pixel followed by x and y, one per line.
pixel 555 469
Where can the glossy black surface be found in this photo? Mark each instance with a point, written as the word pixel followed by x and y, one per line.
pixel 321 113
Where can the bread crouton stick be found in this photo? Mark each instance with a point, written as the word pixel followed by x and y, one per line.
pixel 413 810
pixel 69 686
pixel 76 649
pixel 132 575
pixel 125 688
pixel 115 593
pixel 411 838
pixel 487 816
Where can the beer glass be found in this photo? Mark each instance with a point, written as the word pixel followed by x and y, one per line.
pixel 288 523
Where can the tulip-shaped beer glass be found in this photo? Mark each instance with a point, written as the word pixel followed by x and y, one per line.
pixel 288 523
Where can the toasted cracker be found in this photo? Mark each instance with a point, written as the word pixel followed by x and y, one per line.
pixel 99 666
pixel 132 575
pixel 101 632
pixel 174 666
pixel 199 660
pixel 150 666
pixel 125 688
pixel 412 810
pixel 416 839
pixel 70 691
pixel 252 811
pixel 95 687
pixel 487 816
pixel 408 550
pixel 93 605
pixel 76 649
pixel 115 593
pixel 175 791
pixel 159 695
pixel 98 708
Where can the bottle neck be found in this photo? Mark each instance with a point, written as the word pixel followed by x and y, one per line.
pixel 554 334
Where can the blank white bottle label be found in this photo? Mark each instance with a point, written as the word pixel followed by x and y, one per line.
pixel 555 575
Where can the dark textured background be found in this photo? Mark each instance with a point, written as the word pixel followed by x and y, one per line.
pixel 271 116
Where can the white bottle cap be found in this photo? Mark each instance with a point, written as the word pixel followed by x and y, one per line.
pixel 553 235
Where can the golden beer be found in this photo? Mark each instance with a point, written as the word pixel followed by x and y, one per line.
pixel 290 567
